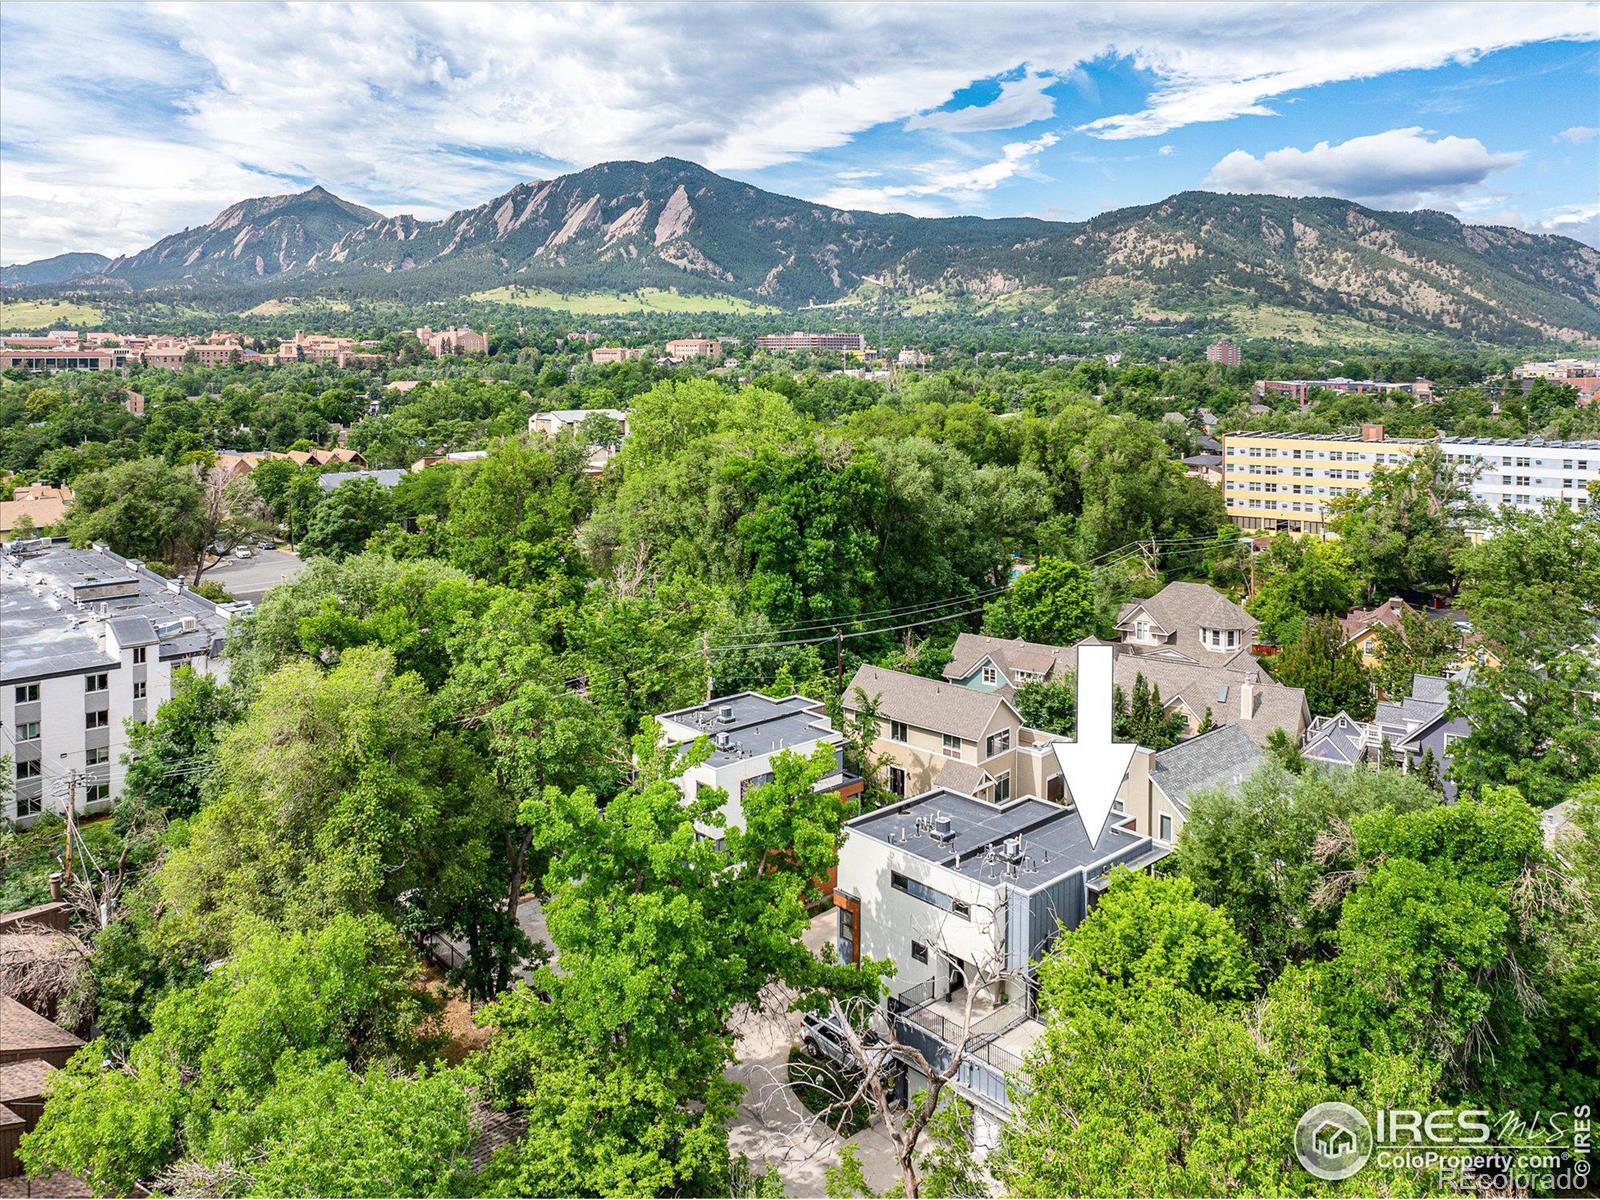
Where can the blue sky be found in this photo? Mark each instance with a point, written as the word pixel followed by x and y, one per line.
pixel 122 122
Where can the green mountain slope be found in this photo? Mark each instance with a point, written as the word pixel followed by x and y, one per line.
pixel 57 269
pixel 251 241
pixel 622 226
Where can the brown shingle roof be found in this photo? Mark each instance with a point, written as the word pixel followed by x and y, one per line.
pixel 927 703
pixel 24 1034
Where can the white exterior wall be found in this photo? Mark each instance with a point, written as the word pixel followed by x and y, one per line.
pixel 891 919
pixel 65 740
pixel 729 776
pixel 1526 476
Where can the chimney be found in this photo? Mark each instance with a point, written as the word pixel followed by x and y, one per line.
pixel 1372 433
pixel 1247 697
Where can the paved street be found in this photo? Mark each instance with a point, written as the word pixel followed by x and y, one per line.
pixel 773 1127
pixel 252 578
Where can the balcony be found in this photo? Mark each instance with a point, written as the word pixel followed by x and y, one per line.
pixel 997 1039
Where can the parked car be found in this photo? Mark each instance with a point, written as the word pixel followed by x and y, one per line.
pixel 820 1037
pixel 267 544
pixel 244 552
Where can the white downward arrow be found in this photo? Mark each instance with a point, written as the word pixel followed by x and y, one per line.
pixel 1094 765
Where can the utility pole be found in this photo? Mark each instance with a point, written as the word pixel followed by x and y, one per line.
pixel 705 657
pixel 72 813
pixel 838 641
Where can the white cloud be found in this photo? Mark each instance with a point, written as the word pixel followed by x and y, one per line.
pixel 1165 150
pixel 1578 134
pixel 952 184
pixel 431 107
pixel 1020 102
pixel 1400 168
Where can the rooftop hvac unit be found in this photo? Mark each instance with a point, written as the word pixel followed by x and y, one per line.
pixel 725 714
pixel 724 742
pixel 943 827
pixel 188 624
pixel 1013 848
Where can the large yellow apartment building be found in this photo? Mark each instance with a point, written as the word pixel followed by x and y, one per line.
pixel 1284 481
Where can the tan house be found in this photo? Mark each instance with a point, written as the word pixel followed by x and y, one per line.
pixel 943 735
pixel 41 504
pixel 233 463
pixel 1187 622
pixel 1361 626
pixel 615 354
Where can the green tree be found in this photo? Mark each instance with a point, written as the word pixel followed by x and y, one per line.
pixel 336 796
pixel 1054 603
pixel 1050 705
pixel 1329 668
pixel 1417 645
pixel 1530 591
pixel 1252 850
pixel 1404 530
pixel 342 994
pixel 144 509
pixel 346 517
pixel 617 1058
pixel 167 758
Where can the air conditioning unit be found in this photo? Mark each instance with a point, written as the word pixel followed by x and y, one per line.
pixel 943 827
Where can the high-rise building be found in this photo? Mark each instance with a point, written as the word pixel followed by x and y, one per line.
pixel 1284 481
pixel 1223 351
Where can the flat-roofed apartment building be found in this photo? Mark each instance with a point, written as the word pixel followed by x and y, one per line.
pixel 681 348
pixel 91 641
pixel 843 342
pixel 1284 481
pixel 1525 474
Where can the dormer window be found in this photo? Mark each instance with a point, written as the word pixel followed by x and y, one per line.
pixel 1141 630
pixel 990 676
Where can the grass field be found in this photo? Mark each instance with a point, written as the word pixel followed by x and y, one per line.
pixel 607 304
pixel 46 314
pixel 1271 321
pixel 289 304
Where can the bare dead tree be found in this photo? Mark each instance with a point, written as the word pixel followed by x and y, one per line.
pixel 874 1042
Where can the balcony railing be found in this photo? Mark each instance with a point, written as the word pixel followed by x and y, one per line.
pixel 933 1025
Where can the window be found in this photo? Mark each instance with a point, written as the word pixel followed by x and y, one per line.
pixel 998 743
pixel 27 693
pixel 138 689
pixel 991 676
pixel 96 756
pixel 952 746
pixel 1002 787
pixel 1166 828
pixel 897 781
pixel 96 792
pixel 31 769
pixel 928 895
pixel 95 683
pixel 29 806
pixel 138 654
pixel 919 952
pixel 1118 806
pixel 897 731
pixel 28 731
pixel 97 720
pixel 1141 630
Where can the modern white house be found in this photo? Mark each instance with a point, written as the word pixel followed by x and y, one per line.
pixel 745 732
pixel 964 895
pixel 1525 474
pixel 90 641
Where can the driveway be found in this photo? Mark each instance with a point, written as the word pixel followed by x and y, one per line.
pixel 252 578
pixel 772 1127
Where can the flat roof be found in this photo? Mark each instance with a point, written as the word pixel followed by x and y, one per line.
pixel 1520 443
pixel 1328 437
pixel 1054 842
pixel 752 724
pixel 51 598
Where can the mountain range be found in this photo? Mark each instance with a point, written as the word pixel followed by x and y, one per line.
pixel 671 223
